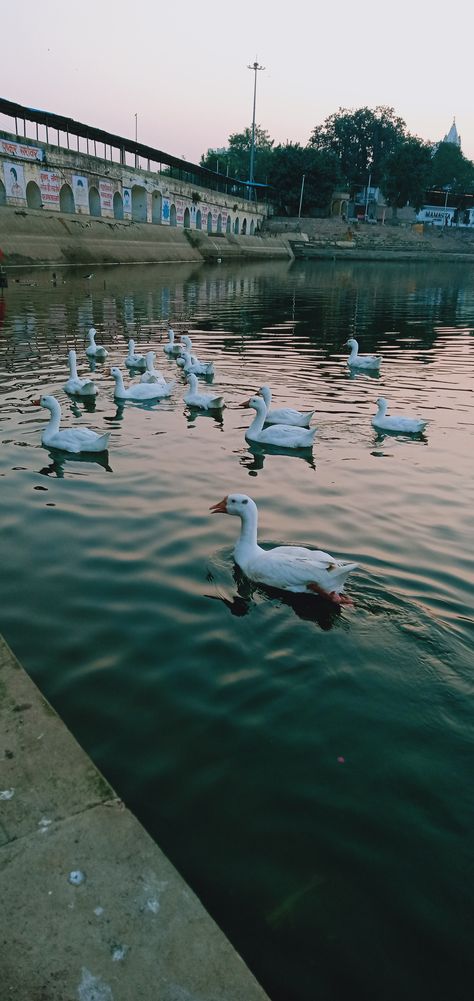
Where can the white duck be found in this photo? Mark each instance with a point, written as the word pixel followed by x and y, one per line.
pixel 411 425
pixel 95 350
pixel 284 415
pixel 191 363
pixel 171 348
pixel 140 391
pixel 202 400
pixel 291 568
pixel 134 360
pixel 70 439
pixel 76 386
pixel 355 360
pixel 152 374
pixel 282 435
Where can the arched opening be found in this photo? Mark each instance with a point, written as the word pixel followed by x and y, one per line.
pixel 118 205
pixel 33 195
pixel 173 215
pixel 236 226
pixel 228 225
pixel 209 222
pixel 94 202
pixel 138 204
pixel 244 227
pixel 3 194
pixel 156 206
pixel 252 227
pixel 66 199
pixel 187 219
pixel 219 223
pixel 198 219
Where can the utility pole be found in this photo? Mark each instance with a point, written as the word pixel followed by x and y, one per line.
pixel 255 67
pixel 136 137
pixel 301 195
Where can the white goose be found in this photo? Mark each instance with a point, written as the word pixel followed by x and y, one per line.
pixel 411 425
pixel 95 350
pixel 134 360
pixel 202 400
pixel 282 435
pixel 140 391
pixel 70 439
pixel 171 348
pixel 76 386
pixel 191 363
pixel 291 568
pixel 355 360
pixel 152 374
pixel 284 415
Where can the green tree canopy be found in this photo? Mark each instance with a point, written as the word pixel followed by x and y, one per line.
pixel 235 158
pixel 450 168
pixel 288 164
pixel 406 174
pixel 361 139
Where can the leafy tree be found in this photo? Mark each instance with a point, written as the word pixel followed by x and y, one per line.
pixel 361 139
pixel 406 174
pixel 235 159
pixel 450 168
pixel 288 164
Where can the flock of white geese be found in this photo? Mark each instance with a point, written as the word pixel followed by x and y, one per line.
pixel 291 568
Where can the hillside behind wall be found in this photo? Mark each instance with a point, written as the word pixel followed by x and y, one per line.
pixel 29 237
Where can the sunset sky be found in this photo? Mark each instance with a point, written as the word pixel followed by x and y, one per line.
pixel 183 67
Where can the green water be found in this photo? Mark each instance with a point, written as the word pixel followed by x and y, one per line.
pixel 308 771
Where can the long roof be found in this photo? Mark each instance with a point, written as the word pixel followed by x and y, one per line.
pixel 71 127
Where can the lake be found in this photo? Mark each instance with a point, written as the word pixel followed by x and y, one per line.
pixel 307 769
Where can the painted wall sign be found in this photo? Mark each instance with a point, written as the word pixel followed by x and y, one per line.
pixel 127 201
pixel 50 186
pixel 23 152
pixel 14 180
pixel 179 211
pixel 106 192
pixel 165 211
pixel 80 188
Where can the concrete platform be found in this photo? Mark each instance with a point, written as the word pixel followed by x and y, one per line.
pixel 91 909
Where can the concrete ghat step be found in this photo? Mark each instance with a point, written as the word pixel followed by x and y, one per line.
pixel 91 908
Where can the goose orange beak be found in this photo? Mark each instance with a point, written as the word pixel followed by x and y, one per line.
pixel 244 405
pixel 220 508
pixel 36 403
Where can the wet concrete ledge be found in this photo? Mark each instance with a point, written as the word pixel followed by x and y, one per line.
pixel 124 926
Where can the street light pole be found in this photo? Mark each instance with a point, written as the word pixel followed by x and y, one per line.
pixel 255 67
pixel 301 195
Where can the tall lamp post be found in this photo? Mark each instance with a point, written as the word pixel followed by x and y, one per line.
pixel 255 67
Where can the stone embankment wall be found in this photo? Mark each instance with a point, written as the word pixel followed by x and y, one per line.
pixel 34 237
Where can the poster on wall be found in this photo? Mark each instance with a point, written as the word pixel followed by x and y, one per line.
pixel 14 180
pixel 80 188
pixel 127 201
pixel 165 211
pixel 18 149
pixel 106 194
pixel 179 211
pixel 50 186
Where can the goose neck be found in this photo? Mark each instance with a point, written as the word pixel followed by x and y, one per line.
pixel 247 540
pixel 118 380
pixel 72 364
pixel 266 395
pixel 55 419
pixel 259 419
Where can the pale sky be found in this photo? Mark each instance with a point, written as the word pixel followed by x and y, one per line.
pixel 183 66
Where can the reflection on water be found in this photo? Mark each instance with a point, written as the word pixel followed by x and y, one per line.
pixel 319 757
pixel 59 459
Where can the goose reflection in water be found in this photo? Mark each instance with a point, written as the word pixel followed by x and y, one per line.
pixel 254 456
pixel 60 459
pixel 308 607
pixel 88 403
pixel 191 413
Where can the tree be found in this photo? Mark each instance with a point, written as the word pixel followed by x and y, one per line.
pixel 361 139
pixel 406 174
pixel 235 158
pixel 288 164
pixel 450 169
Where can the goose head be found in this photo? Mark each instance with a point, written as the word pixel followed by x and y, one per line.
pixel 186 341
pixel 191 378
pixel 49 402
pixel 238 504
pixel 382 404
pixel 351 343
pixel 256 403
pixel 92 334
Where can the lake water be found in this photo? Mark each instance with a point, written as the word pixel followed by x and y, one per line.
pixel 308 771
